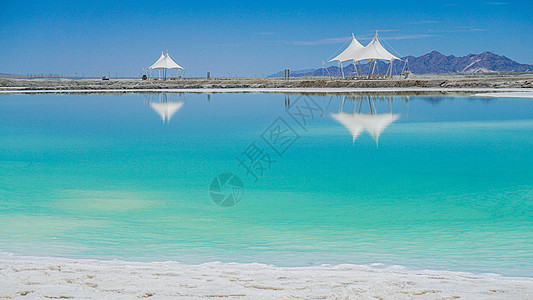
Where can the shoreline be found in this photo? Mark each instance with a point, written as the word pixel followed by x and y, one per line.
pixel 51 277
pixel 435 85
pixel 475 92
pixel 435 81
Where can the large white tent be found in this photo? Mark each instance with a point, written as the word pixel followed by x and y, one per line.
pixel 165 63
pixel 373 51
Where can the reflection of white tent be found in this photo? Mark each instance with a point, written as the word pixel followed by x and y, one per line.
pixel 345 119
pixel 166 109
pixel 374 124
pixel 165 63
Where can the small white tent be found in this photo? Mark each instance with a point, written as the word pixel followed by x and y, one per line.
pixel 165 63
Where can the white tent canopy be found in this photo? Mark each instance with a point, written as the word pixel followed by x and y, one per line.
pixel 159 62
pixel 375 51
pixel 350 52
pixel 165 62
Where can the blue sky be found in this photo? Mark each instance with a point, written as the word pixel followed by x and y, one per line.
pixel 246 38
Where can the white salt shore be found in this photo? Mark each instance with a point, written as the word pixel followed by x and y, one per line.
pixel 520 94
pixel 479 91
pixel 59 278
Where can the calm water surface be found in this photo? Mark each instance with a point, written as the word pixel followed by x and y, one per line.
pixel 425 182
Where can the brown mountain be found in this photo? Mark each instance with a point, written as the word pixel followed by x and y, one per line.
pixel 436 63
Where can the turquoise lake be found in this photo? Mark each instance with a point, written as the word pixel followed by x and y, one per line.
pixel 424 182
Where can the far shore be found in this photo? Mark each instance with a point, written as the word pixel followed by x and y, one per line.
pixel 444 82
pixel 514 86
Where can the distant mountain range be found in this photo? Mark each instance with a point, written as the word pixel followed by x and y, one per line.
pixel 430 63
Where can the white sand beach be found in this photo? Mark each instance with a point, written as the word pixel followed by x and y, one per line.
pixel 517 94
pixel 59 278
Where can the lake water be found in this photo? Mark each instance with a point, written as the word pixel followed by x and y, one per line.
pixel 424 182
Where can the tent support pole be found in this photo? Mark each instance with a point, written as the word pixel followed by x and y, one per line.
pixel 370 69
pixel 390 71
pixel 342 71
pixel 360 70
pixel 355 68
pixel 327 70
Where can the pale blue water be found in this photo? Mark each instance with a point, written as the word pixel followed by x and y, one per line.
pixel 450 185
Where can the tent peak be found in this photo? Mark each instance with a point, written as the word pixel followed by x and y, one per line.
pixel 350 52
pixel 165 62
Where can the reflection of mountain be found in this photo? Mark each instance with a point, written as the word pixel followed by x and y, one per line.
pixel 166 109
pixel 373 124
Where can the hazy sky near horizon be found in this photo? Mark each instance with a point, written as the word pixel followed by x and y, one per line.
pixel 246 38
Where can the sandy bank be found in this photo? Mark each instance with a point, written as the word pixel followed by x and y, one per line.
pixel 54 278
